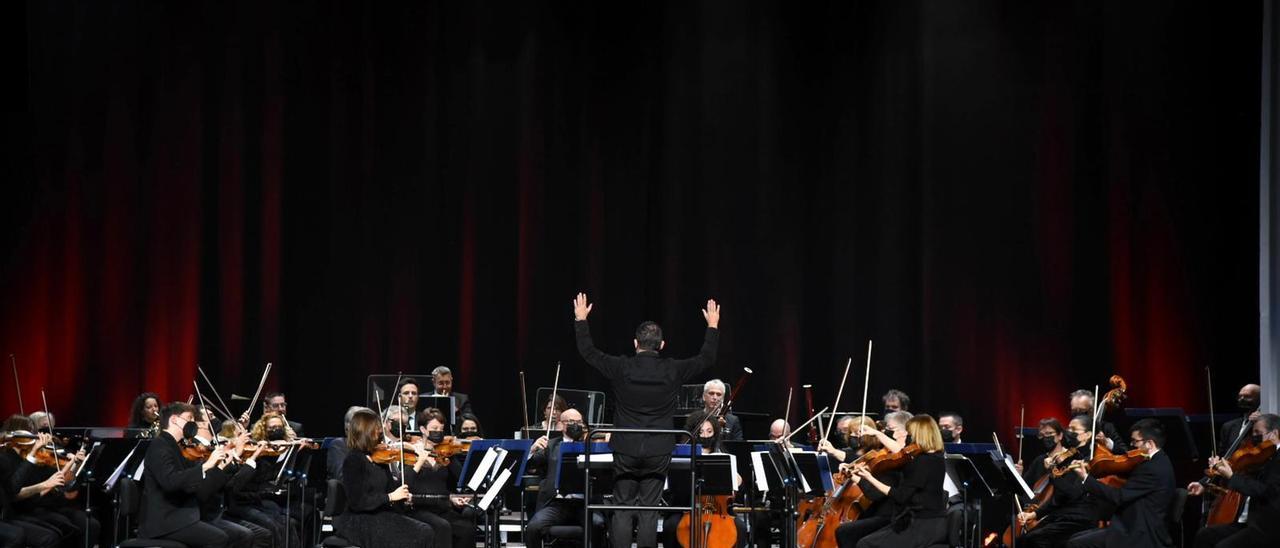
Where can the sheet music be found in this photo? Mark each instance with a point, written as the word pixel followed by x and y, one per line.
pixel 482 470
pixel 115 474
pixel 757 466
pixel 497 488
pixel 1026 490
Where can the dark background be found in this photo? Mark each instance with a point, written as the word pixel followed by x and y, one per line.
pixel 1013 199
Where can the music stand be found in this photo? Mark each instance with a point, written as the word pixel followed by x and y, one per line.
pixel 1178 441
pixel 588 402
pixel 1010 481
pixel 378 387
pixel 968 478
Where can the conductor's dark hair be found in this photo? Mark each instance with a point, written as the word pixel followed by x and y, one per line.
pixel 648 337
pixel 1149 429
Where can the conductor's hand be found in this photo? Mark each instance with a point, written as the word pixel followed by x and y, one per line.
pixel 581 308
pixel 711 313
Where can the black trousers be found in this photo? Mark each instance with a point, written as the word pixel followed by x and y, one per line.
pixel 1234 535
pixel 921 533
pixel 560 512
pixel 11 536
pixel 848 534
pixel 637 481
pixel 451 528
pixel 200 535
pixel 237 535
pixel 282 532
pixel 37 533
pixel 1051 533
pixel 1096 538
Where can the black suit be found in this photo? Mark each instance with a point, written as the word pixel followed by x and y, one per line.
pixel 552 510
pixel 1231 431
pixel 170 502
pixel 732 427
pixel 645 387
pixel 1262 526
pixel 1141 505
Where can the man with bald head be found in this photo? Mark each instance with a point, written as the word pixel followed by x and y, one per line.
pixel 555 508
pixel 779 430
pixel 1247 402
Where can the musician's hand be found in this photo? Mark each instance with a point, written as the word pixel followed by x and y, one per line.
pixel 1024 517
pixel 215 457
pixel 1080 468
pixel 712 314
pixel 868 430
pixel 42 440
pixel 53 482
pixel 538 444
pixel 244 419
pixel 825 446
pixel 458 501
pixel 1195 489
pixel 80 455
pixel 258 451
pixel 581 308
pixel 1214 460
pixel 846 467
pixel 861 470
pixel 243 439
pixel 1018 466
pixel 1224 469
pixel 1254 415
pixel 401 493
pixel 1103 440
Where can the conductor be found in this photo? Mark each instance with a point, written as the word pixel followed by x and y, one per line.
pixel 645 387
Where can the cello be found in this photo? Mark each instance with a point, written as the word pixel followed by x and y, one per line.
pixel 1244 456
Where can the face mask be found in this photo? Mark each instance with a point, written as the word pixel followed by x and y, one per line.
pixel 275 434
pixel 467 433
pixel 854 442
pixel 1256 439
pixel 707 441
pixel 1049 443
pixel 908 441
pixel 575 430
pixel 435 437
pixel 1247 404
pixel 838 439
pixel 889 432
pixel 948 436
pixel 189 430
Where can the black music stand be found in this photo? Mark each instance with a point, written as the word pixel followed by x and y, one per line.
pixel 588 402
pixel 1178 441
pixel 973 488
pixel 1009 481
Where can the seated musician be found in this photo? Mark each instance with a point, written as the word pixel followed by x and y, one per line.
pixel 779 430
pixel 1259 520
pixel 708 443
pixel 172 484
pixel 1082 402
pixel 60 507
pixel 274 402
pixel 1142 503
pixel 213 502
pixel 451 520
pixel 712 399
pixel 882 506
pixel 854 444
pixel 951 424
pixel 1247 401
pixel 144 415
pixel 895 400
pixel 337 452
pixel 920 519
pixel 254 500
pixel 442 379
pixel 395 423
pixel 469 427
pixel 374 517
pixel 556 508
pixel 18 459
pixel 1069 509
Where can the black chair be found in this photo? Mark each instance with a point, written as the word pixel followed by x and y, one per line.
pixel 1177 505
pixel 130 499
pixel 571 535
pixel 335 503
pixel 955 527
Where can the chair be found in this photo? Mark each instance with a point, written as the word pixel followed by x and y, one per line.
pixel 335 503
pixel 130 499
pixel 1177 505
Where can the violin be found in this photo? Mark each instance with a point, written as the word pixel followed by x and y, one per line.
pixel 1114 469
pixel 384 454
pixel 277 448
pixel 448 448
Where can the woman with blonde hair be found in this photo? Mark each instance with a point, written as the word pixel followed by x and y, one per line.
pixel 921 519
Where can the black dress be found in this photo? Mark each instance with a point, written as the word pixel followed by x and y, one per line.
pixel 921 519
pixel 370 521
pixel 453 526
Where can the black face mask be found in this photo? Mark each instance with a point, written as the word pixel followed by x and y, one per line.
pixel 1247 404
pixel 948 436
pixel 275 434
pixel 189 430
pixel 838 439
pixel 1256 439
pixel 853 442
pixel 1070 441
pixel 1049 443
pixel 708 442
pixel 469 433
pixel 436 436
pixel 575 430
pixel 908 441
pixel 889 432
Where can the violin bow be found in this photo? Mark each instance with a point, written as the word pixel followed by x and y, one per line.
pixel 17 384
pixel 555 386
pixel 205 404
pixel 524 401
pixel 1022 424
pixel 786 415
pixel 261 383
pixel 866 385
pixel 1213 424
pixel 1093 430
pixel 225 407
pixel 840 392
pixel 400 423
pixel 806 423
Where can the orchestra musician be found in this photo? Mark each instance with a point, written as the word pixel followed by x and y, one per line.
pixel 407 392
pixel 144 414
pixel 645 386
pixel 469 427
pixel 1143 501
pixel 920 519
pixel 554 508
pixel 17 462
pixel 453 523
pixel 1247 401
pixel 1259 522
pixel 213 502
pixel 442 378
pixel 1082 403
pixel 252 500
pixel 854 444
pixel 337 451
pixel 882 507
pixel 395 421
pixel 58 507
pixel 371 520
pixel 779 430
pixel 707 441
pixel 951 424
pixel 172 484
pixel 895 400
pixel 712 397
pixel 1070 509
pixel 274 402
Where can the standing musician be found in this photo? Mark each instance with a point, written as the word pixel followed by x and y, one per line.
pixel 144 414
pixel 1082 403
pixel 921 519
pixel 1259 523
pixel 18 459
pixel 883 508
pixel 712 398
pixel 645 386
pixel 407 393
pixel 1247 401
pixel 553 508
pixel 274 402
pixel 453 523
pixel 442 378
pixel 373 518
pixel 1070 509
pixel 1143 501
pixel 172 484
pixel 707 441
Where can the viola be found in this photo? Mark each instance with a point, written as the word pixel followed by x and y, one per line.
pixel 716 526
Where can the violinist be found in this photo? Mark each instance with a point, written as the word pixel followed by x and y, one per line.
pixel 882 508
pixel 17 460
pixel 172 484
pixel 274 402
pixel 252 499
pixel 55 507
pixel 854 444
pixel 452 522
pixel 1247 401
pixel 469 427
pixel 371 520
pixel 213 502
pixel 712 400
pixel 707 442
pixel 337 451
pixel 553 508
pixel 1068 509
pixel 1142 503
pixel 921 503
pixel 144 415
pixel 895 400
pixel 1259 522
pixel 1082 402
pixel 394 422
